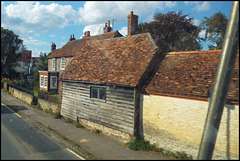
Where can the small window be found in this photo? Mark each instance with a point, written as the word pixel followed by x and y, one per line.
pixel 62 63
pixel 41 81
pixel 53 63
pixel 45 81
pixel 53 82
pixel 98 92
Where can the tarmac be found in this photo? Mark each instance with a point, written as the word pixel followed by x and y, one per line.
pixel 89 145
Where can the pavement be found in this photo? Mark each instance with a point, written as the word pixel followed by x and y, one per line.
pixel 89 144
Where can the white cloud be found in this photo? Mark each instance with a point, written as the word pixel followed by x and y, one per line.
pixel 24 16
pixel 170 4
pixel 196 22
pixel 36 52
pixel 205 6
pixel 52 35
pixel 202 34
pixel 123 31
pixel 94 29
pixel 99 12
pixel 31 41
pixel 190 2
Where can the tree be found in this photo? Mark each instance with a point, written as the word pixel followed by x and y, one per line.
pixel 11 46
pixel 42 65
pixel 173 31
pixel 215 27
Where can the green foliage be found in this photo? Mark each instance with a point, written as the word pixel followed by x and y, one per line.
pixel 77 125
pixel 215 27
pixel 57 115
pixel 11 46
pixel 173 31
pixel 141 144
pixel 68 120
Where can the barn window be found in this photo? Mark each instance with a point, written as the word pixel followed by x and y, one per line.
pixel 98 92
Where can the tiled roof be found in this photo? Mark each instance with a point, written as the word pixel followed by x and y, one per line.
pixel 190 75
pixel 120 61
pixel 72 47
pixel 25 56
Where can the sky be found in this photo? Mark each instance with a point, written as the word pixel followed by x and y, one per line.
pixel 39 23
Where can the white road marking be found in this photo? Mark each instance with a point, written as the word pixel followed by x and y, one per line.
pixel 11 110
pixel 75 154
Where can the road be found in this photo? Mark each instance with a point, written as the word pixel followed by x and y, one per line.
pixel 23 140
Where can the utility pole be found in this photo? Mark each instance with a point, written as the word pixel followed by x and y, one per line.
pixel 221 82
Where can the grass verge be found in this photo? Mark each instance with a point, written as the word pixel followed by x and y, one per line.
pixel 141 144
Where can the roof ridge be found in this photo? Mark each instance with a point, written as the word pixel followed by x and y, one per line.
pixel 193 52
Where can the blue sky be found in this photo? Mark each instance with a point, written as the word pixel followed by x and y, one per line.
pixel 39 23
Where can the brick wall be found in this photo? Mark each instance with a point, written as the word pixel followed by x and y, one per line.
pixel 58 63
pixel 177 124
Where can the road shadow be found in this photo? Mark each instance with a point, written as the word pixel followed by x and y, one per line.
pixel 14 108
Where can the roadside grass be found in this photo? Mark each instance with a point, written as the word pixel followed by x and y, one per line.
pixel 141 144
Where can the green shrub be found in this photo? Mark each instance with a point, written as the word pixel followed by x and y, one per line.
pixel 57 115
pixel 77 125
pixel 139 144
pixel 68 120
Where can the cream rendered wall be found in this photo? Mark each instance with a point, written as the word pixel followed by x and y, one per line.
pixel 177 124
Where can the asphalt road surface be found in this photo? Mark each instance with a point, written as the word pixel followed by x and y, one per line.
pixel 21 140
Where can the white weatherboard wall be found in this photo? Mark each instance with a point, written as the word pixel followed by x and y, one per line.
pixel 177 124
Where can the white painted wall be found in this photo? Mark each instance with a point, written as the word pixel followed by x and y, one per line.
pixel 177 124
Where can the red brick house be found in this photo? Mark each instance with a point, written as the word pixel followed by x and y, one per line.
pixel 60 58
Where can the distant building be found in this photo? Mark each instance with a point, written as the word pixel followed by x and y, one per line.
pixel 24 62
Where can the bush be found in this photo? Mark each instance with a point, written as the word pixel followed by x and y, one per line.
pixel 68 120
pixel 141 144
pixel 57 115
pixel 77 125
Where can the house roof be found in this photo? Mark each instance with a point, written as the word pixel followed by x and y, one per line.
pixel 25 56
pixel 190 74
pixel 120 61
pixel 71 48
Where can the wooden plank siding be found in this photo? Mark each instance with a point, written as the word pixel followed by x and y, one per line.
pixel 116 112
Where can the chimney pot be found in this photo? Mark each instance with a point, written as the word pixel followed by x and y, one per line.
pixel 132 24
pixel 53 47
pixel 88 33
pixel 107 27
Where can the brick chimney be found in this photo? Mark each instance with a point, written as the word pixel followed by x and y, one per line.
pixel 72 37
pixel 132 24
pixel 53 47
pixel 107 27
pixel 87 33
